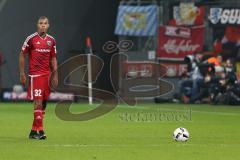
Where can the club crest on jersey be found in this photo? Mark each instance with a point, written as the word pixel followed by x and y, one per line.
pixel 49 43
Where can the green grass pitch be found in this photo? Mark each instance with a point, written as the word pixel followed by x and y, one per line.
pixel 143 132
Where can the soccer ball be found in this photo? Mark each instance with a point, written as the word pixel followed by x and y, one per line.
pixel 181 134
pixel 17 89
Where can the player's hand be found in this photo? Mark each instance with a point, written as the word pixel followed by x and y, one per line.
pixel 23 79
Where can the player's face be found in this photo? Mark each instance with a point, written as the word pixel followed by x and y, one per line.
pixel 42 25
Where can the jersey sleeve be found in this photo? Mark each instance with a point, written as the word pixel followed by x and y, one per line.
pixel 26 46
pixel 54 49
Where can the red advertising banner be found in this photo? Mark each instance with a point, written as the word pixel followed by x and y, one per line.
pixel 139 69
pixel 177 42
pixel 174 69
pixel 143 69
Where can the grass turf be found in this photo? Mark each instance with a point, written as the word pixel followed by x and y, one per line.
pixel 127 133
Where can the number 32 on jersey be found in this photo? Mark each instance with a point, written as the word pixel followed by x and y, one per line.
pixel 37 92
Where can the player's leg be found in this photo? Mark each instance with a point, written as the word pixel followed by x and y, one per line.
pixel 42 134
pixel 38 117
pixel 37 94
pixel 45 94
pixel 44 106
pixel 34 131
pixel 37 120
pixel 40 94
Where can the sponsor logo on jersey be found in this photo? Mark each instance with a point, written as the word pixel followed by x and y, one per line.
pixel 38 42
pixel 42 50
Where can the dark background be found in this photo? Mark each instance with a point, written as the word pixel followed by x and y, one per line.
pixel 70 23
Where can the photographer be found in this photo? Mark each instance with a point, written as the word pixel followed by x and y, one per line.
pixel 209 85
pixel 188 86
pixel 228 90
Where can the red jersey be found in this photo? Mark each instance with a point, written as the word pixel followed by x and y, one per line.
pixel 40 51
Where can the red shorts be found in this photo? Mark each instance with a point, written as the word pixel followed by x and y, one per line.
pixel 38 87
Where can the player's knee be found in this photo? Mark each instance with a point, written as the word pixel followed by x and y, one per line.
pixel 37 104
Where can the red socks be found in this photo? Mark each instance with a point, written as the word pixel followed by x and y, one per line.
pixel 38 119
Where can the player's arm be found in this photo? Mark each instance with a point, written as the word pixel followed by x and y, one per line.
pixel 25 50
pixel 53 65
pixel 22 55
pixel 21 68
pixel 54 72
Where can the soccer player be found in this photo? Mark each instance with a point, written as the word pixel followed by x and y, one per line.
pixel 41 50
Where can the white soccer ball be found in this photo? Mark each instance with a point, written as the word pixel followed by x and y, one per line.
pixel 181 134
pixel 18 89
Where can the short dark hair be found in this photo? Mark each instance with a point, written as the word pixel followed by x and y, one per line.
pixel 43 17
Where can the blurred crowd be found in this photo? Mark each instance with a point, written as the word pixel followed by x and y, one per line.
pixel 209 79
